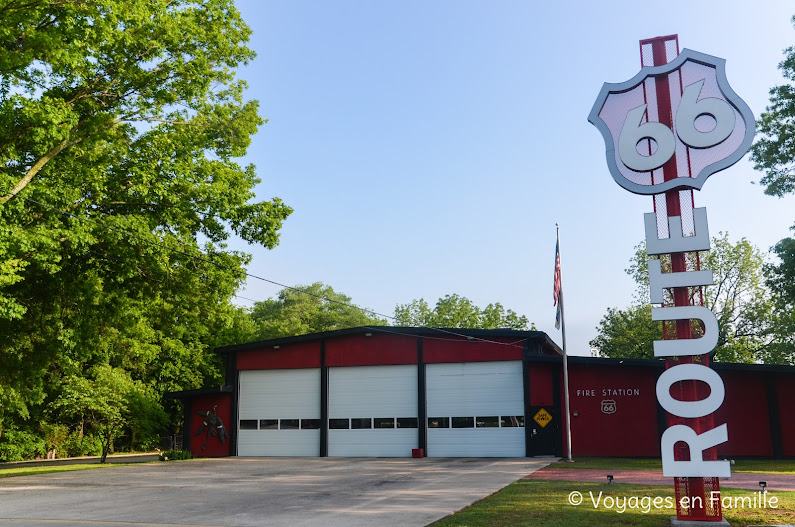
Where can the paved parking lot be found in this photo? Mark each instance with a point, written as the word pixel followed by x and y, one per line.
pixel 242 492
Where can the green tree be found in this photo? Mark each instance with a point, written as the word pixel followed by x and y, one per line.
pixel 627 333
pixel 774 154
pixel 774 150
pixel 454 311
pixel 120 127
pixel 97 403
pixel 739 299
pixel 781 280
pixel 318 308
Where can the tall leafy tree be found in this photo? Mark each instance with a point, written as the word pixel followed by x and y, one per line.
pixel 308 309
pixel 627 333
pixel 774 150
pixel 739 298
pixel 455 311
pixel 120 127
pixel 781 280
pixel 774 154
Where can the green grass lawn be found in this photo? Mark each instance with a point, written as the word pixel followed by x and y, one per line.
pixel 32 471
pixel 741 465
pixel 543 502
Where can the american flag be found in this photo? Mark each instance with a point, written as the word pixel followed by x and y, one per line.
pixel 558 301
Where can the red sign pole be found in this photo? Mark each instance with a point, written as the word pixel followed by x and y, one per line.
pixel 694 495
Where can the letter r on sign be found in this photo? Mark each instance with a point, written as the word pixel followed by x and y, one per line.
pixel 697 443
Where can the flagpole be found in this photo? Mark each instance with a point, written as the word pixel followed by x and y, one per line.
pixel 565 358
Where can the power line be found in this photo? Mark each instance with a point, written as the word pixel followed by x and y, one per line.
pixel 245 273
pixel 244 298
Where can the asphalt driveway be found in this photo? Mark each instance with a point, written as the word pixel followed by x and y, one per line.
pixel 242 492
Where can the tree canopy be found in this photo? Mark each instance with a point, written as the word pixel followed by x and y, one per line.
pixel 120 127
pixel 774 150
pixel 308 309
pixel 454 311
pixel 739 298
pixel 627 333
pixel 774 154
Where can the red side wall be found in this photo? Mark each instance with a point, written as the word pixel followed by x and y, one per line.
pixel 214 447
pixel 631 430
pixel 300 355
pixel 785 397
pixel 436 350
pixel 379 349
pixel 745 411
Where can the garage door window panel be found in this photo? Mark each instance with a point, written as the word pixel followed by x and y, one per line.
pixel 384 422
pixel 487 422
pixel 361 423
pixel 288 424
pixel 512 421
pixel 438 422
pixel 339 424
pixel 463 422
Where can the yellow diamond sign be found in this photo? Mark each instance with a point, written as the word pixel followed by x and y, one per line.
pixel 542 418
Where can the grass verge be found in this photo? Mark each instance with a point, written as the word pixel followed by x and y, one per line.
pixel 33 471
pixel 769 466
pixel 544 502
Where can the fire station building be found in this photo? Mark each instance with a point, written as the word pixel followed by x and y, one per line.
pixel 398 392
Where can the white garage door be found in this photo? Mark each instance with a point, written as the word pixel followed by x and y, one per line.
pixel 373 411
pixel 279 413
pixel 475 409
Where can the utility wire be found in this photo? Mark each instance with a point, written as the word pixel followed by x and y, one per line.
pixel 247 274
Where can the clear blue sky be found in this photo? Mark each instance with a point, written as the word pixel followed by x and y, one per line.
pixel 429 147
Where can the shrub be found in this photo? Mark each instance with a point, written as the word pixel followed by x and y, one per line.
pixel 175 455
pixel 18 445
pixel 86 445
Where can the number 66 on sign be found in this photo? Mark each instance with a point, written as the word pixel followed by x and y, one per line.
pixel 710 128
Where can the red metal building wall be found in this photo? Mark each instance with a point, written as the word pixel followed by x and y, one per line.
pixel 745 412
pixel 299 355
pixel 785 399
pixel 379 349
pixel 444 350
pixel 214 447
pixel 614 411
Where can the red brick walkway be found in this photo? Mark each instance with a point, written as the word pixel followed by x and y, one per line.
pixel 655 477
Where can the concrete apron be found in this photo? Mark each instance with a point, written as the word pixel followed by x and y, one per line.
pixel 243 492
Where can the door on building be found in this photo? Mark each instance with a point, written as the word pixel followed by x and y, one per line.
pixel 544 431
pixel 279 412
pixel 373 411
pixel 475 409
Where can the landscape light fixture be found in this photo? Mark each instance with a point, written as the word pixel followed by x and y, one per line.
pixel 763 485
pixel 609 479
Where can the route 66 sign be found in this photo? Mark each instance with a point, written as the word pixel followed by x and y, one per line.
pixel 608 406
pixel 708 129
